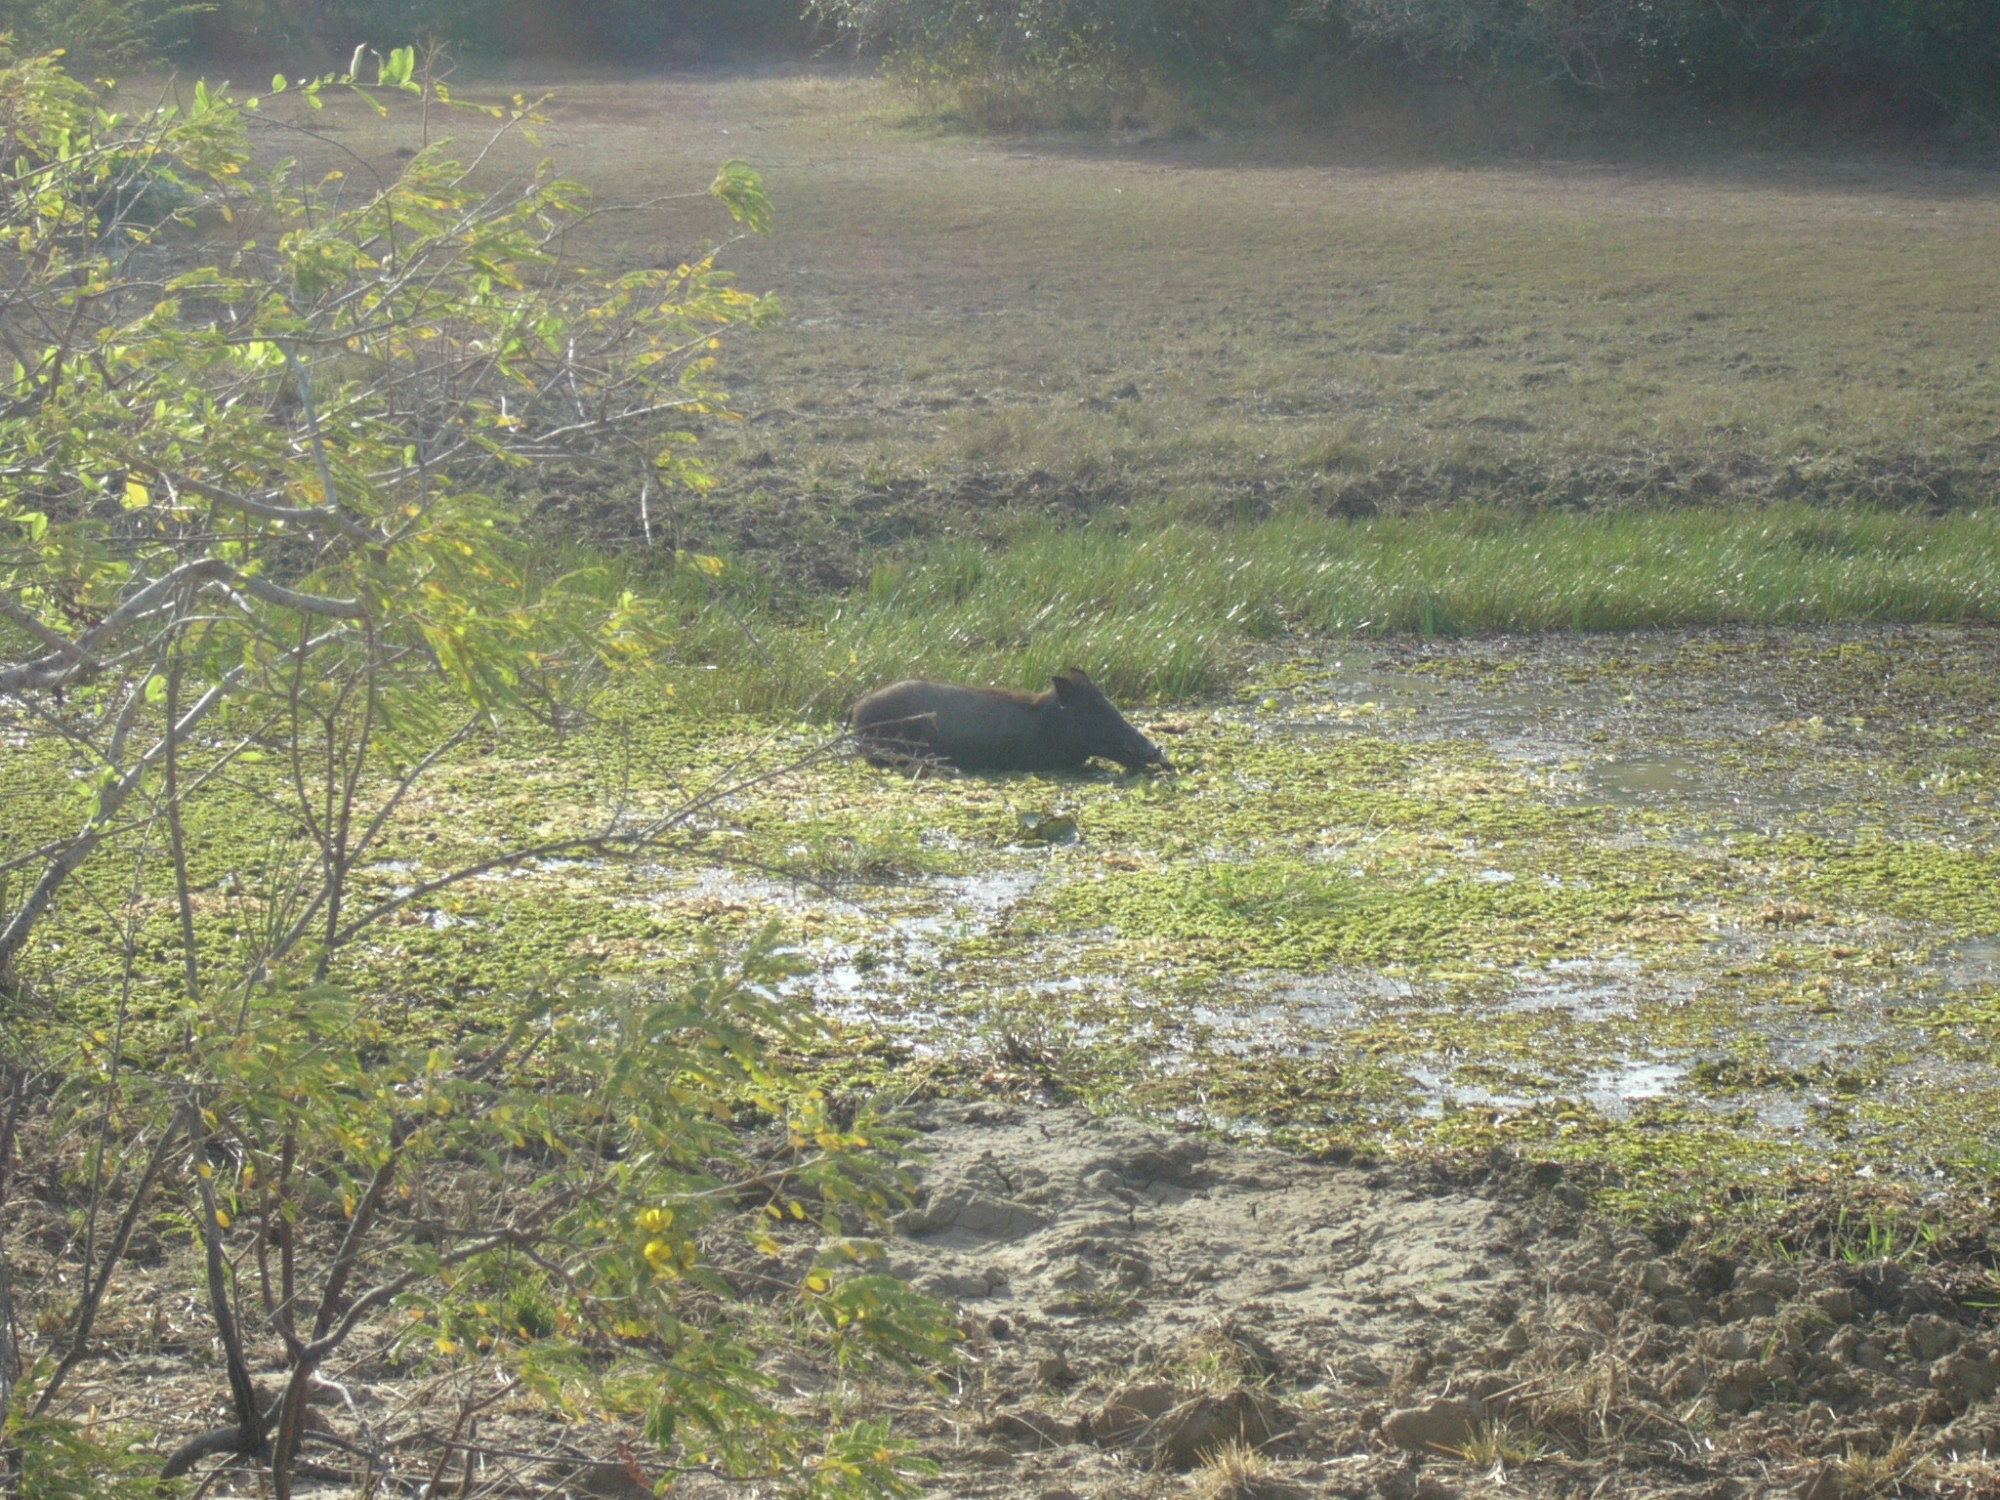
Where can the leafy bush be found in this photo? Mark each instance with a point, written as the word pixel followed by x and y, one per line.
pixel 98 34
pixel 247 439
pixel 1927 55
pixel 1720 48
pixel 1105 54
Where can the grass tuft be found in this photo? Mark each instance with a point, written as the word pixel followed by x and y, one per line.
pixel 1165 609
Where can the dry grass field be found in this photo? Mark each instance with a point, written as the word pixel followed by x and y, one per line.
pixel 1344 319
pixel 1359 319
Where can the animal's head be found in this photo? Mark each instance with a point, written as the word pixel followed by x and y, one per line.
pixel 1098 726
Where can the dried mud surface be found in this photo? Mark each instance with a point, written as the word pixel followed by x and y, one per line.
pixel 1139 1299
pixel 1155 1314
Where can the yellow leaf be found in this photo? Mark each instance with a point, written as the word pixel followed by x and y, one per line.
pixel 221 1218
pixel 137 496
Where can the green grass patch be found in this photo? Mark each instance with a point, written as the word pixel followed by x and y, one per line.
pixel 1161 609
pixel 1955 889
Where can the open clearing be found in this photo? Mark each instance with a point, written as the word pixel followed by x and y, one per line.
pixel 1697 929
pixel 1354 321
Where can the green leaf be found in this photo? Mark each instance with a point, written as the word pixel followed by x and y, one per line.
pixel 740 189
pixel 398 70
pixel 1047 828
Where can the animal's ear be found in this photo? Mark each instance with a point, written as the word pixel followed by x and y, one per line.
pixel 1072 686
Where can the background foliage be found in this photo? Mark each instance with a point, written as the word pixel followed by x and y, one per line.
pixel 1932 59
pixel 1925 62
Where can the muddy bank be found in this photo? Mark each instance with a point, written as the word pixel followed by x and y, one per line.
pixel 1140 1301
pixel 1689 907
pixel 1149 1314
pixel 1700 913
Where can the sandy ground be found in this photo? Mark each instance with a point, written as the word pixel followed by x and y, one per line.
pixel 1140 1299
pixel 1150 1314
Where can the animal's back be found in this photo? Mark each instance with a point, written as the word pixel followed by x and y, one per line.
pixel 999 729
pixel 899 722
pixel 976 729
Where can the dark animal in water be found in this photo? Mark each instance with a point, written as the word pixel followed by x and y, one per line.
pixel 994 729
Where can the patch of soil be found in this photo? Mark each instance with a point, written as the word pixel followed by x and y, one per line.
pixel 1146 1310
pixel 1139 1301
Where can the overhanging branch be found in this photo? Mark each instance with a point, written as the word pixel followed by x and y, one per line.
pixel 75 660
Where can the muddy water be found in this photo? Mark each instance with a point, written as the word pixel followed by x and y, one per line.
pixel 1596 894
pixel 1679 904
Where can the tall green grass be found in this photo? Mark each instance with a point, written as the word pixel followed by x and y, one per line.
pixel 1161 609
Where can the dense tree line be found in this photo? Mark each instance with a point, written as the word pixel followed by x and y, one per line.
pixel 1930 61
pixel 116 33
pixel 1938 57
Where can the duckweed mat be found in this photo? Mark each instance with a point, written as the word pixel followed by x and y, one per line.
pixel 1699 912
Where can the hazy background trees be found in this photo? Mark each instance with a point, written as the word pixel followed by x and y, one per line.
pixel 1903 62
pixel 1927 59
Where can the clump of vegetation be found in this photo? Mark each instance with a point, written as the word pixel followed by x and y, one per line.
pixel 98 34
pixel 249 550
pixel 1934 56
pixel 1166 610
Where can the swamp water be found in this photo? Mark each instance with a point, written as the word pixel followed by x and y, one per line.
pixel 1688 906
pixel 1684 903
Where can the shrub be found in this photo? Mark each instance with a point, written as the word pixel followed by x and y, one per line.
pixel 246 445
pixel 98 35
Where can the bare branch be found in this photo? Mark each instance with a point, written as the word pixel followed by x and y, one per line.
pixel 291 515
pixel 59 643
pixel 80 659
pixel 110 798
pixel 97 1279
